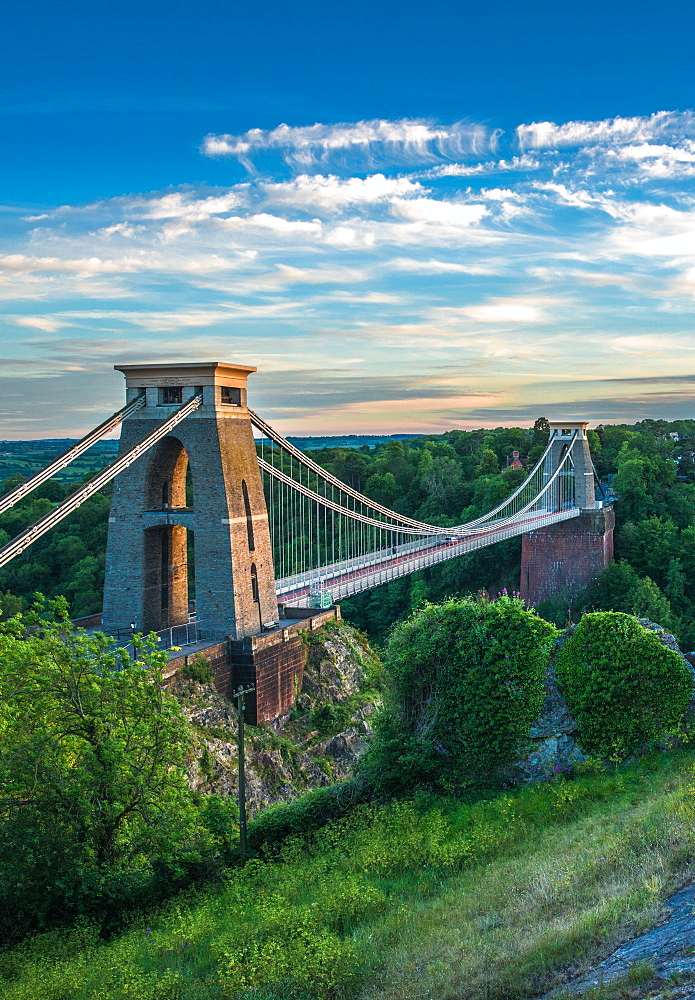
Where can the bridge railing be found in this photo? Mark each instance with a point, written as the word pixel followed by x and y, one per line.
pixel 176 635
pixel 374 557
pixel 353 579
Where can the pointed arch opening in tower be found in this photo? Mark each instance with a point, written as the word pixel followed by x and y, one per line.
pixel 169 479
pixel 249 517
pixel 168 551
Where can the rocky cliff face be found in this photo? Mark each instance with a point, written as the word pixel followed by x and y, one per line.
pixel 554 738
pixel 314 746
pixel 339 662
pixel 321 740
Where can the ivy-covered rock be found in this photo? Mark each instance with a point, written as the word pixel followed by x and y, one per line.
pixel 467 685
pixel 624 686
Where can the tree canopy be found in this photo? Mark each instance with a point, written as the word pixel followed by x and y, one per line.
pixel 97 811
pixel 467 681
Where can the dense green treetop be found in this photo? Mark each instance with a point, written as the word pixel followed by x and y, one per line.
pixel 467 681
pixel 93 787
pixel 624 687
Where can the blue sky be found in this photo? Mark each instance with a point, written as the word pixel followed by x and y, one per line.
pixel 409 218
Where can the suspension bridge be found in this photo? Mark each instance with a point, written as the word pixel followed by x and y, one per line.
pixel 201 478
pixel 332 542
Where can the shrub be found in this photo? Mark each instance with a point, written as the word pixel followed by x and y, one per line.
pixel 198 670
pixel 624 687
pixel 563 607
pixel 307 813
pixel 98 816
pixel 467 684
pixel 328 719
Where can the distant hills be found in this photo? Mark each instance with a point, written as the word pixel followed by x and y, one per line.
pixel 347 440
pixel 27 457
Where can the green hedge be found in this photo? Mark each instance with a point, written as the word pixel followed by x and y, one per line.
pixel 624 687
pixel 467 685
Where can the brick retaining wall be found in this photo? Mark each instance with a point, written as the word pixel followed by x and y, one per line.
pixel 273 663
pixel 566 556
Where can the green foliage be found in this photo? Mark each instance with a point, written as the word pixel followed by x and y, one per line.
pixel 649 545
pixel 613 586
pixel 619 588
pixel 330 718
pixel 675 586
pixel 9 605
pixel 97 811
pixel 625 688
pixel 488 465
pixel 308 813
pixel 378 610
pixel 422 891
pixel 647 601
pixel 467 684
pixel 563 607
pixel 382 488
pixel 68 561
pixel 197 669
pixel 22 459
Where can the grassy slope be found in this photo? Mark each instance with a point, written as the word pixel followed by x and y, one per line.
pixel 435 898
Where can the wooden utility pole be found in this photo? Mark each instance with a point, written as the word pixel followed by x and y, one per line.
pixel 239 694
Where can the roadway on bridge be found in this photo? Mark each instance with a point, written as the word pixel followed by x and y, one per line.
pixel 408 560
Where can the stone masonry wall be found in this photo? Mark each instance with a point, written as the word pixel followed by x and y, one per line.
pixel 273 663
pixel 566 556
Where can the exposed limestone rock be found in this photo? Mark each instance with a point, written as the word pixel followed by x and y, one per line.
pixel 554 738
pixel 290 757
pixel 337 666
pixel 345 748
pixel 667 947
pixel 209 709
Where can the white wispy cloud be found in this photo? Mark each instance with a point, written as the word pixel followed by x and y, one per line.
pixel 411 247
pixel 276 223
pixel 330 193
pixel 405 141
pixel 50 324
pixel 515 164
pixel 432 266
pixel 23 264
pixel 614 131
pixel 441 212
pixel 650 150
pixel 503 312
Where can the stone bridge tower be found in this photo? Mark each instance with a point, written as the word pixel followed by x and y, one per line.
pixel 566 557
pixel 202 478
pixel 561 434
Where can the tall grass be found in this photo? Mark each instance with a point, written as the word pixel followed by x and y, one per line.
pixel 424 898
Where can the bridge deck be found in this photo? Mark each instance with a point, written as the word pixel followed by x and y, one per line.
pixel 352 576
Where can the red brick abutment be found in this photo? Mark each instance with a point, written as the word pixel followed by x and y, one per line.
pixel 566 557
pixel 273 663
